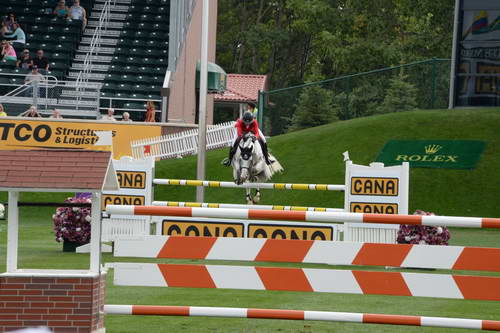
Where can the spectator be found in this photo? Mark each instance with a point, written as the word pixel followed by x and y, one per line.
pixel 2 111
pixel 77 12
pixel 252 108
pixel 56 114
pixel 41 62
pixel 8 23
pixel 110 116
pixel 33 76
pixel 32 112
pixel 126 117
pixel 24 61
pixel 18 36
pixel 8 52
pixel 61 9
pixel 150 112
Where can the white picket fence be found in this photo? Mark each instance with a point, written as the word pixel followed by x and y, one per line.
pixel 184 143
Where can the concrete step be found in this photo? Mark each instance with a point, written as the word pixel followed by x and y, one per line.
pixel 117 1
pixel 84 104
pixel 107 33
pixel 111 24
pixel 116 8
pixel 104 41
pixel 102 50
pixel 96 58
pixel 112 16
pixel 94 68
pixel 97 77
pixel 73 93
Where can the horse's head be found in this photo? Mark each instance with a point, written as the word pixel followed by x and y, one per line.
pixel 246 156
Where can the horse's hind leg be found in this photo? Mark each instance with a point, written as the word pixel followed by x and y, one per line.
pixel 249 196
pixel 256 197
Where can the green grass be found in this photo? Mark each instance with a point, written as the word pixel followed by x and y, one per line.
pixel 310 156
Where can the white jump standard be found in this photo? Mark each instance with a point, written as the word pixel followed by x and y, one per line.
pixel 233 213
pixel 269 186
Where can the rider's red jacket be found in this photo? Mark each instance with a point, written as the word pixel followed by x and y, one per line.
pixel 243 129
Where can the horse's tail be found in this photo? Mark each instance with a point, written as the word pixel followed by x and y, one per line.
pixel 275 167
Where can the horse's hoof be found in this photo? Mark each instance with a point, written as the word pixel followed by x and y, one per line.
pixel 256 199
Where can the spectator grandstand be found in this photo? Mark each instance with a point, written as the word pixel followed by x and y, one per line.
pixel 128 65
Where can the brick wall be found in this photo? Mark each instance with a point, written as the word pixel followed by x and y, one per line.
pixel 63 304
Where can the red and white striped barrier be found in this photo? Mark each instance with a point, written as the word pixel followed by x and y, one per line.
pixel 364 318
pixel 303 251
pixel 308 279
pixel 233 213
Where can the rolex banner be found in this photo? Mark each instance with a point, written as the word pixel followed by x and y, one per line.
pixel 451 154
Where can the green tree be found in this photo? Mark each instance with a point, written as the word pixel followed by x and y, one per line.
pixel 400 96
pixel 313 109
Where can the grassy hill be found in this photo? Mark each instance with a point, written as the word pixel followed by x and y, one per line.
pixel 309 156
pixel 315 156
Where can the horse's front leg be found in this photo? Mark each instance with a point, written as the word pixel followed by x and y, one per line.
pixel 249 196
pixel 256 197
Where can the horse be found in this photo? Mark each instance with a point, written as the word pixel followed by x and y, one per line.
pixel 249 165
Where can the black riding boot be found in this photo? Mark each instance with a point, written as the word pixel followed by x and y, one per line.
pixel 232 151
pixel 265 151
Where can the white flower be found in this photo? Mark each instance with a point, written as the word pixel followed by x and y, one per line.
pixel 439 230
pixel 63 229
pixel 422 242
pixel 88 218
pixel 407 238
pixel 78 229
pixel 75 209
pixel 60 239
pixel 53 216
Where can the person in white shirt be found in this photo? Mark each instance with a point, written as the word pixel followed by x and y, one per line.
pixel 126 117
pixel 110 116
pixel 77 12
pixel 18 35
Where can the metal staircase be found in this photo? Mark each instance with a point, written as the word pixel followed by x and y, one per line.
pixel 94 55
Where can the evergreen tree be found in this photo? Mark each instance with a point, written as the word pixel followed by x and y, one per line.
pixel 400 96
pixel 313 109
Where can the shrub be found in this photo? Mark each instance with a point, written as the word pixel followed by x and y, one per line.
pixel 422 234
pixel 73 223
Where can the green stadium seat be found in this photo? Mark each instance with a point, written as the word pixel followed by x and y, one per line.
pixel 112 78
pixel 116 68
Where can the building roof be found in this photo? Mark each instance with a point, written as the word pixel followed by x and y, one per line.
pixel 56 170
pixel 242 88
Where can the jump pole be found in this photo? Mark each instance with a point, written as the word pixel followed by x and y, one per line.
pixel 224 205
pixel 267 186
pixel 362 318
pixel 233 213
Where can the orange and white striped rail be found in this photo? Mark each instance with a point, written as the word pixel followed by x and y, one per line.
pixel 234 213
pixel 225 205
pixel 305 251
pixel 362 318
pixel 269 186
pixel 307 279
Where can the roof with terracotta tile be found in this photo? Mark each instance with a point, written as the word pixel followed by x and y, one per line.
pixel 53 169
pixel 242 88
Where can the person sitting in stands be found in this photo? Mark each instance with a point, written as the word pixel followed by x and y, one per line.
pixel 2 111
pixel 18 36
pixel 8 52
pixel 77 12
pixel 61 9
pixel 110 115
pixel 126 117
pixel 41 62
pixel 24 61
pixel 150 112
pixel 32 112
pixel 8 24
pixel 56 114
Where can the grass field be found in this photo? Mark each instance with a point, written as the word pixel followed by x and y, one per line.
pixel 310 156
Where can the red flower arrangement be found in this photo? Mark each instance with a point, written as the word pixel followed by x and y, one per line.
pixel 73 223
pixel 422 234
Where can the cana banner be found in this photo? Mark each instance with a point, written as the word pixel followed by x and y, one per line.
pixel 47 134
pixel 451 154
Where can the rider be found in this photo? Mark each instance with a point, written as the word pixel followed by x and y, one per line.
pixel 248 124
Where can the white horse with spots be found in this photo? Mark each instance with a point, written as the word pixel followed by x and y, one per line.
pixel 249 165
